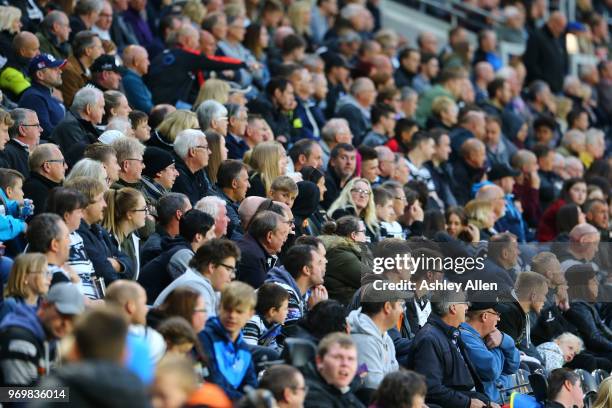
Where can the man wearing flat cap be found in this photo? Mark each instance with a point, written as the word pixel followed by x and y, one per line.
pixel 25 335
pixel 492 352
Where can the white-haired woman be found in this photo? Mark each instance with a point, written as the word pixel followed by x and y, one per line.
pixel 356 199
pixel 89 168
pixel 10 25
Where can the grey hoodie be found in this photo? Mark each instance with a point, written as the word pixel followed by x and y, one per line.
pixel 374 349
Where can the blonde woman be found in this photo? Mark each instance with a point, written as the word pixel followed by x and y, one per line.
pixel 356 199
pixel 444 112
pixel 218 153
pixel 299 18
pixel 604 394
pixel 215 89
pixel 125 213
pixel 172 125
pixel 194 11
pixel 28 282
pixel 268 160
pixel 480 214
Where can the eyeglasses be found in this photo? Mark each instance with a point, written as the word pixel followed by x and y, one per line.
pixel 200 311
pixel 360 231
pixel 360 192
pixel 402 199
pixel 203 147
pixel 37 125
pixel 232 269
pixel 145 210
pixel 61 161
pixel 304 388
pixel 492 312
pixel 290 222
pixel 135 159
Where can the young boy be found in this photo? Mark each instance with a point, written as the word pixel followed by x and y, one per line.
pixel 385 212
pixel 140 125
pixel 283 189
pixel 12 209
pixel 270 314
pixel 230 361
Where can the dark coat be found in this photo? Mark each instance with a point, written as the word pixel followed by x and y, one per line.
pixel 99 248
pixel 49 109
pixel 193 185
pixel 442 177
pixel 332 184
pixel 73 130
pixel 306 131
pixel 37 188
pixel 234 228
pixel 437 354
pixel 321 394
pixel 235 148
pixel 153 246
pixel 17 156
pixel 542 49
pixel 465 177
pixel 280 122
pixel 596 335
pixel 254 263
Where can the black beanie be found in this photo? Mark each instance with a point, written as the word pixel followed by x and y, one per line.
pixel 155 160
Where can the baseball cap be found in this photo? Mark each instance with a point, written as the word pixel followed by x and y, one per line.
pixel 499 171
pixel 42 61
pixel 475 306
pixel 67 298
pixel 104 63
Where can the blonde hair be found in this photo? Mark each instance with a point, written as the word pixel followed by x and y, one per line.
pixel 238 294
pixel 8 15
pixel 479 212
pixel 441 104
pixel 119 204
pixel 368 215
pixel 194 11
pixel 24 264
pixel 176 122
pixel 569 337
pixel 264 160
pixel 88 186
pixel 604 394
pixel 295 14
pixel 215 89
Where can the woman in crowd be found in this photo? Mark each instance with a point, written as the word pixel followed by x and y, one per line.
pixel 218 153
pixel 126 212
pixel 480 214
pixel 257 39
pixel 444 114
pixel 574 191
pixel 215 89
pixel 347 257
pixel 568 217
pixel 10 25
pixel 184 302
pixel 28 283
pixel 604 394
pixel 268 160
pixel 115 106
pixel 319 217
pixel 171 126
pixel 356 199
pixel 456 221
pixel 89 168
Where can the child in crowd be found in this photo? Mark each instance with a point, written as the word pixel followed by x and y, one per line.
pixel 140 125
pixel 12 209
pixel 560 351
pixel 179 335
pixel 389 227
pixel 270 314
pixel 284 189
pixel 230 360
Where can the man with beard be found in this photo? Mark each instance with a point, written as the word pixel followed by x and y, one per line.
pixel 342 164
pixel 46 75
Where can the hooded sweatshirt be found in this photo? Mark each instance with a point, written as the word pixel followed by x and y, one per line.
pixel 375 349
pixel 24 351
pixel 297 303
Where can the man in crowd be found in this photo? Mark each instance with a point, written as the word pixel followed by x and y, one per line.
pixel 105 73
pixel 14 76
pixel 564 389
pixel 25 136
pixel 276 107
pixel 192 152
pixel 383 126
pixel 215 207
pixel 233 181
pixel 136 62
pixel 341 169
pixel 87 47
pixel 335 131
pixel 47 170
pixel 54 34
pixel 235 141
pixel 306 152
pixel 355 107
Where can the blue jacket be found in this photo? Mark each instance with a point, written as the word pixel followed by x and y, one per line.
pixel 493 365
pixel 305 127
pixel 231 364
pixel 235 148
pixel 10 225
pixel 137 93
pixel 49 109
pixel 254 263
pixel 297 303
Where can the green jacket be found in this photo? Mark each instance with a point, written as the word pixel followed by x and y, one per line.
pixel 47 46
pixel 14 82
pixel 347 262
pixel 426 100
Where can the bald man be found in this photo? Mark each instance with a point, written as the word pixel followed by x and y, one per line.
pixel 136 60
pixel 14 77
pixel 546 55
pixel 468 168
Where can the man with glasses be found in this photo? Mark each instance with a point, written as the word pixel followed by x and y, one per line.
pixel 492 352
pixel 24 137
pixel 439 354
pixel 192 153
pixel 47 170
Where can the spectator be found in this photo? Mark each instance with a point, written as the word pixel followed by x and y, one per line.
pixel 136 61
pixel 170 125
pixel 215 207
pixel 27 284
pixel 487 46
pixel 564 389
pixel 421 150
pixel 283 190
pixel 53 35
pixel 105 73
pixel 86 13
pixel 268 160
pixel 140 125
pixel 11 193
pixel 355 107
pixel 104 21
pixel 399 388
pixel 468 168
pixel 409 61
pixel 222 341
pixel 449 85
pixel 356 199
pixel 218 153
pixel 236 141
pixel 444 113
pixel 329 380
pixel 159 173
pixel 47 170
pixel 52 321
pixel 213 116
pixel 341 169
pixel 87 47
pixel 24 132
pixel 192 151
pixel 428 72
pixel 195 228
pixel 275 105
pixel 383 125
pixel 440 169
pixel 335 131
pixel 560 351
pixel 285 382
pixel 270 314
pixel 233 183
pixel 45 73
pixel 14 76
pixel 306 152
pixel 79 125
pixel 574 191
pixel 107 155
pixel 131 299
pixel 385 213
pixel 306 111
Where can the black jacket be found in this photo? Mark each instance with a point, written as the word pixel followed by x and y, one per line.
pixel 442 177
pixel 234 228
pixel 465 176
pixel 321 394
pixel 254 263
pixel 99 247
pixel 550 188
pixel 542 49
pixel 153 246
pixel 437 353
pixel 193 185
pixel 280 122
pixel 596 335
pixel 154 277
pixel 172 76
pixel 73 130
pixel 17 157
pixel 332 184
pixel 37 188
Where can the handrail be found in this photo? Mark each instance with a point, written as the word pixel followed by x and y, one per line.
pixel 477 10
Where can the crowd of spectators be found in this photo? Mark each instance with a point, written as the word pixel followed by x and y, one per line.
pixel 196 196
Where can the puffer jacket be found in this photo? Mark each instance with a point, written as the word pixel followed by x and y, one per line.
pixel 347 262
